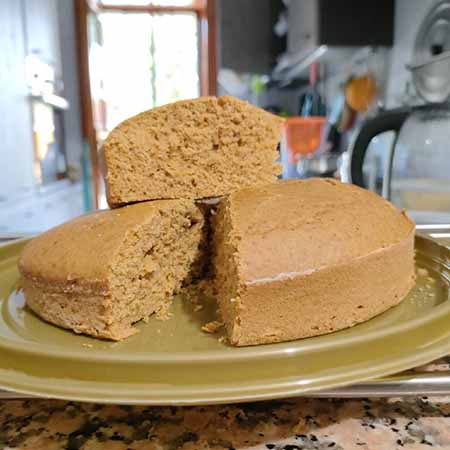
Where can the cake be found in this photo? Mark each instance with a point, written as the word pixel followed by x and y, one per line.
pixel 102 272
pixel 302 258
pixel 193 149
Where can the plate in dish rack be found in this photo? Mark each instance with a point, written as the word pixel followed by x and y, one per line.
pixel 174 362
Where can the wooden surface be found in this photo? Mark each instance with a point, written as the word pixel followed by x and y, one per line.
pixel 87 117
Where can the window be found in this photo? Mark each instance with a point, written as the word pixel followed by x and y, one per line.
pixel 146 60
pixel 146 54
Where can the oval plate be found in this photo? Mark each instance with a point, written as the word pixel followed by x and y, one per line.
pixel 174 362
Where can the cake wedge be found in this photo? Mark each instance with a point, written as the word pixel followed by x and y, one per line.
pixel 102 272
pixel 200 148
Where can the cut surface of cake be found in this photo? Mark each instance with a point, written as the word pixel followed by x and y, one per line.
pixel 301 258
pixel 102 272
pixel 199 148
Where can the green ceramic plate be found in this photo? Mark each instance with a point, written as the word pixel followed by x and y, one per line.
pixel 173 362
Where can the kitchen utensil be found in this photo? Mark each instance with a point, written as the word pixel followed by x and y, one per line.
pixel 324 161
pixel 322 165
pixel 430 65
pixel 415 171
pixel 337 106
pixel 301 136
pixel 432 78
pixel 360 92
pixel 347 119
pixel 173 362
pixel 311 102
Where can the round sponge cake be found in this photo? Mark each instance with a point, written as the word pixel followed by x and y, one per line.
pixel 302 258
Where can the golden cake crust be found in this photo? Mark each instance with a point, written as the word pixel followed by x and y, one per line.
pixel 79 252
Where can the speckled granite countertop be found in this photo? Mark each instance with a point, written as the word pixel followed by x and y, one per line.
pixel 292 424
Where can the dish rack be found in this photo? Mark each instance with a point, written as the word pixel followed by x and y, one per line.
pixel 430 379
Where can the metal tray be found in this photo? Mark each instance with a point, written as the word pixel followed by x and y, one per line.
pixel 431 379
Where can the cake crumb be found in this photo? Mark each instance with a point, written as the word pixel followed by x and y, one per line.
pixel 422 272
pixel 87 345
pixel 198 308
pixel 195 291
pixel 164 313
pixel 212 327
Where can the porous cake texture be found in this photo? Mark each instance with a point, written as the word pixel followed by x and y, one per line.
pixel 302 258
pixel 194 149
pixel 100 273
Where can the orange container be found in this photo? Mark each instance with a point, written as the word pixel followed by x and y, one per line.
pixel 302 136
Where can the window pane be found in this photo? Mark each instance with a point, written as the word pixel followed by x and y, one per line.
pixel 173 2
pixel 125 65
pixel 176 59
pixel 144 64
pixel 125 2
pixel 148 2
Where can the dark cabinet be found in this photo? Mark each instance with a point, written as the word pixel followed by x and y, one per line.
pixel 246 41
pixel 339 23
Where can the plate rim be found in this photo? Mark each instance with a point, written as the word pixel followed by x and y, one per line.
pixel 199 398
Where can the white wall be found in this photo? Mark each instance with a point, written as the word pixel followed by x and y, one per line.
pixel 16 144
pixel 409 15
pixel 26 26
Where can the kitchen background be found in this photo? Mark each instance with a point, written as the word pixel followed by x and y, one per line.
pixel 360 84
